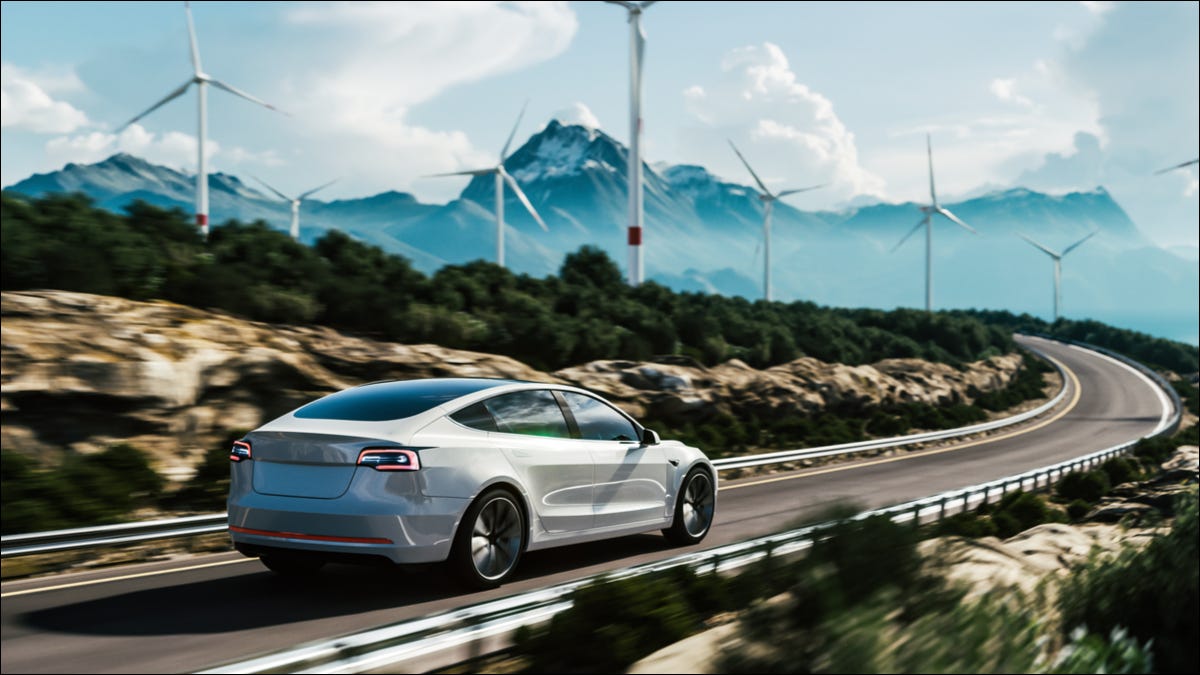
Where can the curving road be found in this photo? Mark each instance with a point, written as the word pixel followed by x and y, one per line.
pixel 189 614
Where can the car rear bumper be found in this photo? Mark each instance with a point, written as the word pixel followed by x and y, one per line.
pixel 404 530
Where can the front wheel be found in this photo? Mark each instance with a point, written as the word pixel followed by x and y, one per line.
pixel 694 509
pixel 489 541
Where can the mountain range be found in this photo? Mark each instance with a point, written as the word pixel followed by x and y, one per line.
pixel 704 234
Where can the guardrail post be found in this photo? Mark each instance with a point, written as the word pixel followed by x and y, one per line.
pixel 941 509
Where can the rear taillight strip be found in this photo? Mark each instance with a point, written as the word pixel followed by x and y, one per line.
pixel 390 459
pixel 240 451
pixel 309 537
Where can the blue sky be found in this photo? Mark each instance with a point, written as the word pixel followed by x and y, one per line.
pixel 1053 96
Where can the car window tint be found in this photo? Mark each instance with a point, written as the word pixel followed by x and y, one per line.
pixel 597 420
pixel 476 416
pixel 381 401
pixel 534 413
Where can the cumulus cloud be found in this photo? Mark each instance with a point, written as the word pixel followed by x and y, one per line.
pixel 26 103
pixel 578 113
pixel 379 61
pixel 1139 67
pixel 1005 89
pixel 790 133
pixel 172 148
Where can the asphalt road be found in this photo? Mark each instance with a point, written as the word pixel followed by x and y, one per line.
pixel 186 615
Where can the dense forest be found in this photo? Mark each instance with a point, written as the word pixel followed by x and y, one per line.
pixel 584 313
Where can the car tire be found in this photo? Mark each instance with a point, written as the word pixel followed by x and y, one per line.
pixel 292 565
pixel 694 509
pixel 490 540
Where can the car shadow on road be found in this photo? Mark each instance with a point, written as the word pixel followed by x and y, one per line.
pixel 250 597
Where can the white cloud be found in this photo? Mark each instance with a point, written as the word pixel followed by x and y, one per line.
pixel 172 148
pixel 789 132
pixel 578 113
pixel 1006 90
pixel 26 104
pixel 380 60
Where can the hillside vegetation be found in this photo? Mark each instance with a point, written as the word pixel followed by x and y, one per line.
pixel 584 313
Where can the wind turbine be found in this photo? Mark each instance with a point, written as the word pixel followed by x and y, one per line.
pixel 502 176
pixel 1177 166
pixel 768 199
pixel 1057 265
pixel 637 48
pixel 201 80
pixel 295 202
pixel 927 221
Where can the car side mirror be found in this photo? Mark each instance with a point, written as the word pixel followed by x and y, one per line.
pixel 650 437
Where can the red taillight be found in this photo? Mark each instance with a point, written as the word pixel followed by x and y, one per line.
pixel 240 451
pixel 389 459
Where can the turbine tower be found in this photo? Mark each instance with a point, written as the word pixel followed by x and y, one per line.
pixel 201 80
pixel 927 221
pixel 295 202
pixel 1057 265
pixel 637 48
pixel 502 176
pixel 1177 166
pixel 768 199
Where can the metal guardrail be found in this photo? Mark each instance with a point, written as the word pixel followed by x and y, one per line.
pixel 108 535
pixel 411 641
pixel 126 533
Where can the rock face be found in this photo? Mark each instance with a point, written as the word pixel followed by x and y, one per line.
pixel 80 372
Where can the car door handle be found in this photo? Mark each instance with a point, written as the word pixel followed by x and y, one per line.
pixel 674 462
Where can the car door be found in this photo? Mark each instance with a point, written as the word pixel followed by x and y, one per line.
pixel 631 478
pixel 557 474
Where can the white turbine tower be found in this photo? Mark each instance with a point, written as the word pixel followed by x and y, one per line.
pixel 927 221
pixel 201 80
pixel 295 202
pixel 501 177
pixel 1177 166
pixel 1057 265
pixel 768 199
pixel 637 48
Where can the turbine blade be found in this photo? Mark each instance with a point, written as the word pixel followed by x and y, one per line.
pixel 910 233
pixel 238 92
pixel 512 182
pixel 747 165
pixel 1074 246
pixel 623 3
pixel 1045 250
pixel 268 186
pixel 511 134
pixel 954 219
pixel 472 172
pixel 169 97
pixel 1177 166
pixel 187 7
pixel 306 195
pixel 799 190
pixel 932 191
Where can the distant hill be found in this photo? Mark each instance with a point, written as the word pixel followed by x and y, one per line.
pixel 704 234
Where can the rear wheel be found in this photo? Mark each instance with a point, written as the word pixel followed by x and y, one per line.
pixel 490 540
pixel 694 509
pixel 287 565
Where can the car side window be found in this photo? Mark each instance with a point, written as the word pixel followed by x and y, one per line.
pixel 476 416
pixel 533 413
pixel 597 420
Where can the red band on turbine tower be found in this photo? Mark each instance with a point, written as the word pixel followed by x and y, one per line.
pixel 201 219
pixel 635 236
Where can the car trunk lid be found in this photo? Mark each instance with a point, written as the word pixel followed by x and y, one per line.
pixel 294 464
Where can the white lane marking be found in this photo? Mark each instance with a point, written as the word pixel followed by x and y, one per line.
pixel 92 582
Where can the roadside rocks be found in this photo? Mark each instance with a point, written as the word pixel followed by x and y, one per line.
pixel 79 372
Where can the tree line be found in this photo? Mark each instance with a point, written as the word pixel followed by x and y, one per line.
pixel 585 312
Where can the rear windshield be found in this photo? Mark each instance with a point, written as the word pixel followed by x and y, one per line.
pixel 391 400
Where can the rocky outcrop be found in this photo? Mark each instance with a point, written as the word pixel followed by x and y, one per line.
pixel 79 372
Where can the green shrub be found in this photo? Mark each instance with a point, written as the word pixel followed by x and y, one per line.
pixel 1120 470
pixel 1077 509
pixel 1088 486
pixel 1152 593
